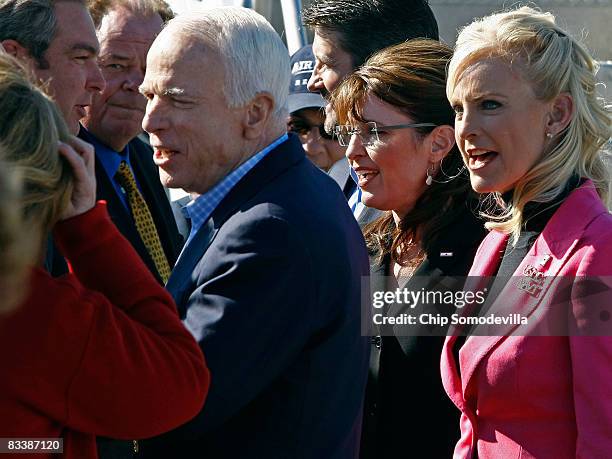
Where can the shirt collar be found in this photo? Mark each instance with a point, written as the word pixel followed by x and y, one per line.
pixel 202 207
pixel 109 158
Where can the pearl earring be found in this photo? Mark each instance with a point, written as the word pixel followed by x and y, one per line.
pixel 549 135
pixel 429 179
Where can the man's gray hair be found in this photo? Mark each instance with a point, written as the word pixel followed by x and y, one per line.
pixel 31 23
pixel 254 56
pixel 99 8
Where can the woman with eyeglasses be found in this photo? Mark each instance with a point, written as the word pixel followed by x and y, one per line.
pixel 396 123
pixel 532 132
pixel 307 115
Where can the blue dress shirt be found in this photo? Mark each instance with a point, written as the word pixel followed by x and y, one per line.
pixel 111 160
pixel 201 208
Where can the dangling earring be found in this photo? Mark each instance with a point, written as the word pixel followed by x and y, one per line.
pixel 429 179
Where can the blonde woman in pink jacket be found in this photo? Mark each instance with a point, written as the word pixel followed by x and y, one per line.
pixel 531 131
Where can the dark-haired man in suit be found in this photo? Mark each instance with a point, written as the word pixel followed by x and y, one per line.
pixel 57 41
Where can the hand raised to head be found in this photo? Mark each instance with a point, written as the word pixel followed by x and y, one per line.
pixel 80 155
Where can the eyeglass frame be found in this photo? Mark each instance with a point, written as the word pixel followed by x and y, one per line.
pixel 372 132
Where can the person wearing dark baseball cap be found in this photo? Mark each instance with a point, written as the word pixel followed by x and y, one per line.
pixel 307 115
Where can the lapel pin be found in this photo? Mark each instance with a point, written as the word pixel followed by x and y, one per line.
pixel 533 281
pixel 544 260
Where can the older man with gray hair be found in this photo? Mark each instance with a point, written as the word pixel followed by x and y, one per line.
pixel 269 280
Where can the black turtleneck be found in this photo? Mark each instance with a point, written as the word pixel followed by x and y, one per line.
pixel 536 216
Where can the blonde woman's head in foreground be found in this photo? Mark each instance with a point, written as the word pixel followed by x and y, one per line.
pixel 13 265
pixel 30 130
pixel 527 114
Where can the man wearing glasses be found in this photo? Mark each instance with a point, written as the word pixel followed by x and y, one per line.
pixel 307 115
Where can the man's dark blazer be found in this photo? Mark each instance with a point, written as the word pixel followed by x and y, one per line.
pixel 404 376
pixel 270 287
pixel 147 176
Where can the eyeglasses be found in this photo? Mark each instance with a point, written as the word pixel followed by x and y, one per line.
pixel 369 135
pixel 303 129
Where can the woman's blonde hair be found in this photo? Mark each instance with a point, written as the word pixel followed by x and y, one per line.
pixel 13 240
pixel 31 128
pixel 554 63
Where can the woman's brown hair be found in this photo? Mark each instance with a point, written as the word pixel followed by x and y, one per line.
pixel 410 76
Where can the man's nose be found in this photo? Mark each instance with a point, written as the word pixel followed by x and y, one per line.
pixel 95 80
pixel 315 82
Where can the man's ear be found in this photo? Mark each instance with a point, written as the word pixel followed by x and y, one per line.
pixel 560 115
pixel 15 49
pixel 442 139
pixel 257 115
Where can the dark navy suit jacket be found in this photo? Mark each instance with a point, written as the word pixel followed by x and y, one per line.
pixel 270 287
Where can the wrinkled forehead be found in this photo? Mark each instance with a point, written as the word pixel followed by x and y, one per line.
pixel 179 61
pixel 330 39
pixel 75 27
pixel 122 24
pixel 174 45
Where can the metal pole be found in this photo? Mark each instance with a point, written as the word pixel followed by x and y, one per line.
pixel 292 18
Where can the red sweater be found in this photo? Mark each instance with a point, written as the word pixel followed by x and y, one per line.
pixel 76 363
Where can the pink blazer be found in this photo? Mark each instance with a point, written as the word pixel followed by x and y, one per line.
pixel 542 396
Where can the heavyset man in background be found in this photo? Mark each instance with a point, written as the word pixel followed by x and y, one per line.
pixel 126 177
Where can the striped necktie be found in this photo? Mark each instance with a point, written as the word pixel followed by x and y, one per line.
pixel 144 220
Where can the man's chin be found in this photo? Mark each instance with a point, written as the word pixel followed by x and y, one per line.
pixel 330 119
pixel 167 180
pixel 73 127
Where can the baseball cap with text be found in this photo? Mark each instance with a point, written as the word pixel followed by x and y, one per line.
pixel 302 66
